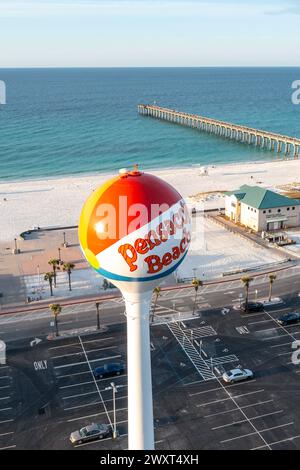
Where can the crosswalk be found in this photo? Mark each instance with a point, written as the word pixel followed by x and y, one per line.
pixel 191 352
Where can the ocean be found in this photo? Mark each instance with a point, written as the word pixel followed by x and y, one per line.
pixel 81 121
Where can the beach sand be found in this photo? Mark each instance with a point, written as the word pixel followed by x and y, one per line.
pixel 58 202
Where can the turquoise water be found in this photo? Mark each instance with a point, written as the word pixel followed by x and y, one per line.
pixel 72 121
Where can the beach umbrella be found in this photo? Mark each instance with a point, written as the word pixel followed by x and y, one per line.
pixel 135 230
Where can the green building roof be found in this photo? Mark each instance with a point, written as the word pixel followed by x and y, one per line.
pixel 261 198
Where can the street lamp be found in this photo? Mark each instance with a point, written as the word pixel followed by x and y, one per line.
pixel 98 316
pixel 65 243
pixel 114 388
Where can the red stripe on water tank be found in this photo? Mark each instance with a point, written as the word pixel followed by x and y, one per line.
pixel 144 189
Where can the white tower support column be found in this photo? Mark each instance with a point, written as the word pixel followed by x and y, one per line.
pixel 140 406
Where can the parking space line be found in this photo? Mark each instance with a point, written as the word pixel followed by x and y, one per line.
pixel 213 402
pixel 8 447
pixel 4 398
pixel 279 345
pixel 5 377
pixel 93 403
pixel 245 420
pixel 98 339
pixel 84 362
pixel 100 395
pixel 260 321
pixel 284 354
pixel 204 391
pixel 5 409
pixel 80 395
pixel 284 440
pixel 72 375
pixel 276 427
pixel 6 421
pixel 64 346
pixel 267 414
pixel 88 382
pixel 237 409
pixel 5 386
pixel 240 437
pixel 93 415
pixel 7 433
pixel 249 393
pixel 78 344
pixel 229 424
pixel 78 353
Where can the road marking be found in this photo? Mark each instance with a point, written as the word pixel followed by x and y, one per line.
pixel 268 414
pixel 100 395
pixel 237 409
pixel 205 391
pixel 245 420
pixel 91 381
pixel 242 330
pixel 256 322
pixel 278 442
pixel 92 416
pixel 240 437
pixel 7 433
pixel 72 375
pixel 249 393
pixel 78 344
pixel 78 353
pixel 84 362
pixel 276 427
pixel 93 403
pixel 80 395
pixel 282 344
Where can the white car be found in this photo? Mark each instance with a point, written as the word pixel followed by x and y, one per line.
pixel 237 375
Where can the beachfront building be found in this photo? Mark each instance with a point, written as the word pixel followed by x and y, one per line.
pixel 261 209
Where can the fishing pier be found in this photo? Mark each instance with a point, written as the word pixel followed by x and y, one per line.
pixel 277 143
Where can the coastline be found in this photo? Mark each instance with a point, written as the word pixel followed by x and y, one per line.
pixel 57 201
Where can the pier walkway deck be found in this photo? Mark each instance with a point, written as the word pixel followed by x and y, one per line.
pixel 280 144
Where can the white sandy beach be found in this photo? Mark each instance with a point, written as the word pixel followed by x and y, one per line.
pixel 57 202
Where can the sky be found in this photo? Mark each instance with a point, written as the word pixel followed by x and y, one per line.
pixel 149 33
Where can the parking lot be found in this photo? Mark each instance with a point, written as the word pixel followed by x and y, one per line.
pixel 48 391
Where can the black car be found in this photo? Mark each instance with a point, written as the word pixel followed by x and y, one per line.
pixel 289 319
pixel 109 370
pixel 252 307
pixel 90 433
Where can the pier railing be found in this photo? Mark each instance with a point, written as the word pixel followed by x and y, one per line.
pixel 281 144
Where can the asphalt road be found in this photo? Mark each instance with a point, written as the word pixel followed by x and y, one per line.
pixel 47 390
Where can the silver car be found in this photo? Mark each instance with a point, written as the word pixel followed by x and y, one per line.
pixel 237 375
pixel 90 433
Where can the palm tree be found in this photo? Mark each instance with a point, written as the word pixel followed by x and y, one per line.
pixel 49 277
pixel 55 265
pixel 156 292
pixel 196 283
pixel 55 309
pixel 98 315
pixel 68 268
pixel 272 278
pixel 246 280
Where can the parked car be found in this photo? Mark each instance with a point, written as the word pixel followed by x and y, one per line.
pixel 90 433
pixel 109 370
pixel 252 307
pixel 289 318
pixel 237 375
